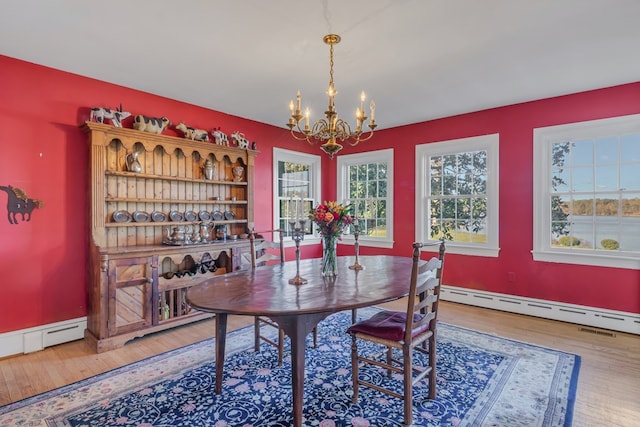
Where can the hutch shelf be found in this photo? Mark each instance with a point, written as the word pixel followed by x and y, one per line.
pixel 138 272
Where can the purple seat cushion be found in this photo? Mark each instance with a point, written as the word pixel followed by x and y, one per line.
pixel 388 325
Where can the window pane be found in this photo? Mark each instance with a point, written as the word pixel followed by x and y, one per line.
pixel 560 179
pixel 382 171
pixel 480 161
pixel 382 189
pixel 607 151
pixel 631 206
pixel 449 164
pixel 630 177
pixel 436 185
pixel 463 210
pixel 435 163
pixel 479 184
pixel 559 154
pixel 630 148
pixel 449 185
pixel 372 171
pixel 582 179
pixel 607 205
pixel 582 153
pixel 607 178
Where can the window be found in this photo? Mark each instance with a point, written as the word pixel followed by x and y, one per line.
pixel 297 187
pixel 366 181
pixel 457 194
pixel 587 193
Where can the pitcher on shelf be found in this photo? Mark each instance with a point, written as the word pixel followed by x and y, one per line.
pixel 209 170
pixel 133 164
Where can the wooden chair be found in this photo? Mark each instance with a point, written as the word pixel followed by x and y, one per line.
pixel 407 331
pixel 263 250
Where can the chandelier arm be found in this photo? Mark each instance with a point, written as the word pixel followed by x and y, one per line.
pixel 360 139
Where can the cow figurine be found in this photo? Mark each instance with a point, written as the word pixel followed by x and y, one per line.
pixel 98 114
pixel 150 124
pixel 220 137
pixel 193 133
pixel 240 140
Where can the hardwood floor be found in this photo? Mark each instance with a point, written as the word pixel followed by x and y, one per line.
pixel 608 385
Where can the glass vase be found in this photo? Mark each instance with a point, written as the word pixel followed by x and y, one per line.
pixel 329 251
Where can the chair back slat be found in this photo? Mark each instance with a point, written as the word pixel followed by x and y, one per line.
pixel 424 290
pixel 262 249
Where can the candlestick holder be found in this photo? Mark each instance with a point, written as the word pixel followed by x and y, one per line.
pixel 297 235
pixel 356 232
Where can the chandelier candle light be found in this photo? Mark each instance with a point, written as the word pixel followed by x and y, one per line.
pixel 331 128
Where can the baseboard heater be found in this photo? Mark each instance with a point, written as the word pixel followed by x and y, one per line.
pixel 39 337
pixel 581 315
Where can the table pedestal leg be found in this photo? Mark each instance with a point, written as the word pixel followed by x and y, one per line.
pixel 221 338
pixel 297 328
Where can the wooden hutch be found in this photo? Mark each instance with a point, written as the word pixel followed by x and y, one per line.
pixel 138 274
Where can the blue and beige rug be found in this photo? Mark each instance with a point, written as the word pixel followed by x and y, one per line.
pixel 483 380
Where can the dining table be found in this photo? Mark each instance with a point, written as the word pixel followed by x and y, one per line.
pixel 298 308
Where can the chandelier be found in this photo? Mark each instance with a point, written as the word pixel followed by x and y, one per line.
pixel 331 128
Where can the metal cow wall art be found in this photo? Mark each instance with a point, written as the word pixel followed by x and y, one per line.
pixel 19 204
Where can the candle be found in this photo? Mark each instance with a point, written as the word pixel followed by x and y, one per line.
pixel 300 214
pixel 298 98
pixel 291 107
pixel 362 98
pixel 372 106
pixel 290 212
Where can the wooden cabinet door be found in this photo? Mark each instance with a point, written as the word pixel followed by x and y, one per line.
pixel 130 293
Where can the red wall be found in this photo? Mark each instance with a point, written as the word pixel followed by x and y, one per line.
pixel 43 261
pixel 616 289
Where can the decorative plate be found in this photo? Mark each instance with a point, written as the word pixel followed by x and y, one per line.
pixel 121 216
pixel 176 216
pixel 190 216
pixel 217 216
pixel 158 216
pixel 204 216
pixel 229 215
pixel 141 216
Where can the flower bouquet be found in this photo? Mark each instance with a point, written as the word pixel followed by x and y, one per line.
pixel 331 218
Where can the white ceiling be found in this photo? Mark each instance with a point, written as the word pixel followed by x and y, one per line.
pixel 419 59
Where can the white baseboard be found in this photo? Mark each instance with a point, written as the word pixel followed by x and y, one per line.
pixel 39 337
pixel 572 313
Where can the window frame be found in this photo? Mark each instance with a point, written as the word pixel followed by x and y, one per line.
pixel 489 143
pixel 543 139
pixel 314 163
pixel 378 156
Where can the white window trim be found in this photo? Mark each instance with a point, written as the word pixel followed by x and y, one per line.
pixel 490 143
pixel 542 140
pixel 378 156
pixel 314 161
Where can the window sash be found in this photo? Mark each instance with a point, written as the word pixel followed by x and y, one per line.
pixel 457 194
pixel 370 190
pixel 593 169
pixel 296 191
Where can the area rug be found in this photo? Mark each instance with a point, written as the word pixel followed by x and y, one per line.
pixel 483 380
